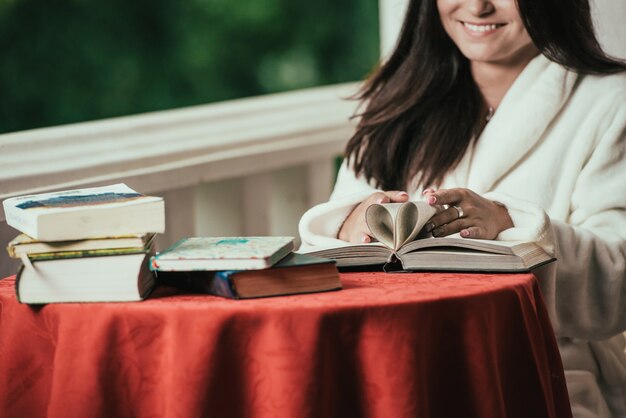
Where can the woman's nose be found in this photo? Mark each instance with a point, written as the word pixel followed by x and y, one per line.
pixel 480 8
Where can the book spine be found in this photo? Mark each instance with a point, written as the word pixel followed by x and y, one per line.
pixel 86 253
pixel 222 285
pixel 18 278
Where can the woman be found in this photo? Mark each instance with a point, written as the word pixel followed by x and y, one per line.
pixel 512 116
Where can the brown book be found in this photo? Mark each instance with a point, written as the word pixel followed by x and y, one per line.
pixel 296 273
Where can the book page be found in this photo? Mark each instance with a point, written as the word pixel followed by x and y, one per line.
pixel 381 220
pixel 455 240
pixel 396 224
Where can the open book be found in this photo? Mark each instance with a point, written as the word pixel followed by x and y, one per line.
pixel 403 245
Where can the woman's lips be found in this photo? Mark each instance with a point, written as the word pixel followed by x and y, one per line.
pixel 481 29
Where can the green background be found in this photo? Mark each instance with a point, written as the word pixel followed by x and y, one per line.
pixel 64 61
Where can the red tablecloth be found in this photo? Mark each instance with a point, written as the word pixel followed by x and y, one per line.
pixel 388 345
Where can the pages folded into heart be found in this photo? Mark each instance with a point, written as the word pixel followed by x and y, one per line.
pixel 396 224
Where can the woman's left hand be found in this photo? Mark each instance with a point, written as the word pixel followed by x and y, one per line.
pixel 468 213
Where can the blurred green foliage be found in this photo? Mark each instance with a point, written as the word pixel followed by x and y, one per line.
pixel 64 61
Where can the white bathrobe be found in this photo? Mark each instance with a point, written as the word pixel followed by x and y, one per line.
pixel 554 154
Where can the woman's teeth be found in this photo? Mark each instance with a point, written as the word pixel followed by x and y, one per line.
pixel 482 28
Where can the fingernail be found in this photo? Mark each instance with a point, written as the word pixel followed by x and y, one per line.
pixel 381 200
pixel 403 194
pixel 365 239
pixel 464 233
pixel 429 227
pixel 437 232
pixel 432 200
pixel 426 191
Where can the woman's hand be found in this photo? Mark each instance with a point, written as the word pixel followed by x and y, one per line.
pixel 354 229
pixel 468 213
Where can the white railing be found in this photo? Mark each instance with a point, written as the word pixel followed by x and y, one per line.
pixel 249 166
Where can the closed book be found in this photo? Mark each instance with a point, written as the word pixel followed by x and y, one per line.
pixel 85 213
pixel 23 245
pixel 113 278
pixel 295 273
pixel 222 253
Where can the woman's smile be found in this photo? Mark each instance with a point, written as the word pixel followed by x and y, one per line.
pixel 489 31
pixel 481 29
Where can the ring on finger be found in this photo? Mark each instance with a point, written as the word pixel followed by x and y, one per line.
pixel 459 210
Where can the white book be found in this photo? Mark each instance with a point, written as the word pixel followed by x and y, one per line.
pixel 86 213
pixel 117 278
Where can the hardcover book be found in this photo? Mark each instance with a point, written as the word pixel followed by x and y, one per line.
pixel 222 253
pixel 402 244
pixel 296 273
pixel 85 213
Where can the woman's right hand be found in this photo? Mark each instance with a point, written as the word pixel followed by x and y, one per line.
pixel 354 228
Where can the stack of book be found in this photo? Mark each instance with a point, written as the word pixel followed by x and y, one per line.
pixel 86 245
pixel 244 267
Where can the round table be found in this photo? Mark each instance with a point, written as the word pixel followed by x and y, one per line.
pixel 387 345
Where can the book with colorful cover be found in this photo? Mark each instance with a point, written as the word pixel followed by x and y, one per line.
pixel 294 274
pixel 23 245
pixel 222 253
pixel 85 213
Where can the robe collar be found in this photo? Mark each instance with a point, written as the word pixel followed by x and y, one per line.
pixel 518 125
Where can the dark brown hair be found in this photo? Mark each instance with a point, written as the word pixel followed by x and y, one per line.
pixel 422 106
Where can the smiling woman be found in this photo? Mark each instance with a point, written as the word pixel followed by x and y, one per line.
pixel 426 131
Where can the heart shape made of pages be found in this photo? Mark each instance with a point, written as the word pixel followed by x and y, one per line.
pixel 395 224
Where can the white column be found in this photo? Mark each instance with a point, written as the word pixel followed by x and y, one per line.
pixel 319 180
pixel 257 191
pixel 391 15
pixel 290 199
pixel 179 216
pixel 219 208
pixel 610 21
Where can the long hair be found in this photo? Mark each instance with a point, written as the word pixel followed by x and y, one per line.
pixel 422 106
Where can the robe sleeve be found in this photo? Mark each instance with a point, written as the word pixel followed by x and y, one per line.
pixel 586 292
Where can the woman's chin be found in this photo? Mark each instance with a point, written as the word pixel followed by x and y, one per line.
pixel 482 56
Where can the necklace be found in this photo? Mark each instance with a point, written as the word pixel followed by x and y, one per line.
pixel 490 113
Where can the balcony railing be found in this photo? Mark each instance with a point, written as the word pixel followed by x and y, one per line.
pixel 249 166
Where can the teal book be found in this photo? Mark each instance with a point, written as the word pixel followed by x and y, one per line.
pixel 222 253
pixel 295 273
